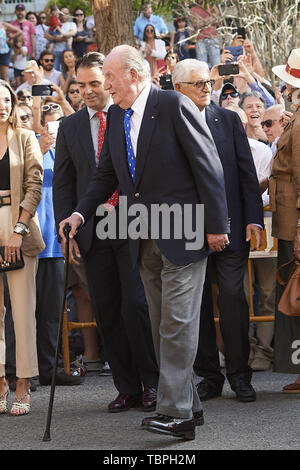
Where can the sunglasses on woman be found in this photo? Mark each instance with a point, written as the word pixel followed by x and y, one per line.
pixel 25 117
pixel 73 91
pixel 24 98
pixel 47 107
pixel 149 30
pixel 268 123
pixel 233 94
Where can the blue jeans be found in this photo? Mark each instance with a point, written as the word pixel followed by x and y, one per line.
pixel 208 50
pixel 57 60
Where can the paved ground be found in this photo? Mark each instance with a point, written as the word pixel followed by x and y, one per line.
pixel 80 421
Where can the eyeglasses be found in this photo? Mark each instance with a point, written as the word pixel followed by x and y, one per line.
pixel 48 60
pixel 25 117
pixel 24 98
pixel 79 14
pixel 201 84
pixel 47 107
pixel 233 94
pixel 149 30
pixel 43 17
pixel 268 123
pixel 73 91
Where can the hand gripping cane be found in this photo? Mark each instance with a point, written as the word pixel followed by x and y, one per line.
pixel 47 437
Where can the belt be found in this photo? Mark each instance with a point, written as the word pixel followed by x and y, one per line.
pixel 5 200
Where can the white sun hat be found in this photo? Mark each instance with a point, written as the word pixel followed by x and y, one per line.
pixel 290 73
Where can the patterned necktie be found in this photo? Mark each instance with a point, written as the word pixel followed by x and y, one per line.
pixel 129 149
pixel 114 199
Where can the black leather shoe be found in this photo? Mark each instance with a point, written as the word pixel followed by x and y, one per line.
pixel 198 418
pixel 149 399
pixel 206 391
pixel 62 378
pixel 124 402
pixel 243 390
pixel 183 428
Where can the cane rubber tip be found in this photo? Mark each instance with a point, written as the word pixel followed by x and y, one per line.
pixel 46 437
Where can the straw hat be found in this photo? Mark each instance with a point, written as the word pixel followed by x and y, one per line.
pixel 290 73
pixel 29 66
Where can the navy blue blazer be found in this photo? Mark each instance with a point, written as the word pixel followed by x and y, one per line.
pixel 74 156
pixel 176 162
pixel 243 195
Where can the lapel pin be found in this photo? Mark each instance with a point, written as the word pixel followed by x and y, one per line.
pixel 216 119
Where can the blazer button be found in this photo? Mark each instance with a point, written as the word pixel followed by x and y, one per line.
pixel 137 194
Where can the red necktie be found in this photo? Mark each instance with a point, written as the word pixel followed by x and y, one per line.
pixel 114 199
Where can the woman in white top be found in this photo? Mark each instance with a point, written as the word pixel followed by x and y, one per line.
pixel 153 49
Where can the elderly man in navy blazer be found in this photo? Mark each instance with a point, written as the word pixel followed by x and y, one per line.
pixel 159 151
pixel 245 209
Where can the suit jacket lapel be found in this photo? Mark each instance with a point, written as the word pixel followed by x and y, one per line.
pixel 211 118
pixel 145 135
pixel 15 161
pixel 84 130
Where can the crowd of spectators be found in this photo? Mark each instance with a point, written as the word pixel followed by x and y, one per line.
pixel 43 49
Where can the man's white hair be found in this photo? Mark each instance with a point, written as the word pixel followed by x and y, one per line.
pixel 275 107
pixel 182 69
pixel 131 59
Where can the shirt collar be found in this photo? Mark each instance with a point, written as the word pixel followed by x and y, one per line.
pixel 92 112
pixel 140 102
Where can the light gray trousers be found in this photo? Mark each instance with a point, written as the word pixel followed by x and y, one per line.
pixel 174 296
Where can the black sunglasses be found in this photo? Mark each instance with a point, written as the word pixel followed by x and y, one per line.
pixel 25 117
pixel 149 30
pixel 24 98
pixel 79 14
pixel 73 91
pixel 233 94
pixel 48 60
pixel 268 122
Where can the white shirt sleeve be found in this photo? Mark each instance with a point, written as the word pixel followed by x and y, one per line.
pixel 160 49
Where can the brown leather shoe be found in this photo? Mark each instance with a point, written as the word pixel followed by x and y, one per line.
pixel 149 399
pixel 184 428
pixel 124 402
pixel 292 388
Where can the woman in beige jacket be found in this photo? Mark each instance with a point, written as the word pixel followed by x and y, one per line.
pixel 20 192
pixel 284 190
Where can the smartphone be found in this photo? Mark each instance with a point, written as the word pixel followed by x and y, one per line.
pixel 53 127
pixel 41 90
pixel 228 69
pixel 241 32
pixel 235 51
pixel 166 83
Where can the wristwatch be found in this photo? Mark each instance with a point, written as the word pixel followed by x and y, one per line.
pixel 21 229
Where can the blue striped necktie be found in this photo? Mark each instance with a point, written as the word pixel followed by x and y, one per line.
pixel 129 148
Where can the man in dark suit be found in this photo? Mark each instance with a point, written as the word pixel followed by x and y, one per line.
pixel 116 289
pixel 159 151
pixel 246 218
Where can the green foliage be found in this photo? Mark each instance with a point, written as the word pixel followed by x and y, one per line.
pixel 71 4
pixel 166 7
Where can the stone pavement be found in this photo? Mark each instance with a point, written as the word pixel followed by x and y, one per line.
pixel 80 421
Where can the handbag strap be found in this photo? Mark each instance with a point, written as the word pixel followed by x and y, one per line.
pixel 278 278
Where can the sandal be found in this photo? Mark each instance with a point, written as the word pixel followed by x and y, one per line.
pixel 3 402
pixel 18 407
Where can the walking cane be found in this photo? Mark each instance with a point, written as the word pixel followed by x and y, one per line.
pixel 47 437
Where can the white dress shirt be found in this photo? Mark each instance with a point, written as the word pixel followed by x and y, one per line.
pixel 138 109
